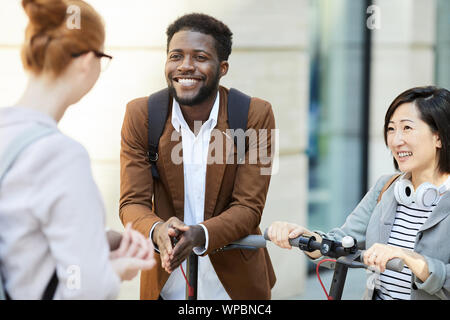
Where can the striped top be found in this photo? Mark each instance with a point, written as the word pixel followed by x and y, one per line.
pixel 395 285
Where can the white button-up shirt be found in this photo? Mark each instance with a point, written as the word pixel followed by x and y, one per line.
pixel 195 155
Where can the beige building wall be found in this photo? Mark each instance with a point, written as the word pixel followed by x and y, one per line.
pixel 269 60
pixel 403 57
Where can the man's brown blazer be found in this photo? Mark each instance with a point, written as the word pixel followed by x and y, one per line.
pixel 235 195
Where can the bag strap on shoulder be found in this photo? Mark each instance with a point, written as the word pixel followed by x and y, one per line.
pixel 238 105
pixel 10 154
pixel 158 109
pixel 387 185
pixel 22 141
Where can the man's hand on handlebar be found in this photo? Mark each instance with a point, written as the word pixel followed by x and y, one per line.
pixel 163 236
pixel 188 238
pixel 176 240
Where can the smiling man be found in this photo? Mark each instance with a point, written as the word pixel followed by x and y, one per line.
pixel 197 204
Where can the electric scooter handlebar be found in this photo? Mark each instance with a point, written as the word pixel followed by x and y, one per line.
pixel 253 240
pixel 336 250
pixel 345 255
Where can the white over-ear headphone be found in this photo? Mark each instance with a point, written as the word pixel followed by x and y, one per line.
pixel 426 195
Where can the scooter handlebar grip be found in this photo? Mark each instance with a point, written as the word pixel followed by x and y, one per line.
pixel 395 264
pixel 252 240
pixel 295 242
pixel 266 234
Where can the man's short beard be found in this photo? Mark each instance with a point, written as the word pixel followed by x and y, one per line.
pixel 204 93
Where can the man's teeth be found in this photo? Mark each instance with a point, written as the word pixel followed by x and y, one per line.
pixel 404 154
pixel 187 82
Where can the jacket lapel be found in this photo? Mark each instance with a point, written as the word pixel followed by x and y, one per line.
pixel 218 153
pixel 171 153
pixel 439 213
pixel 389 208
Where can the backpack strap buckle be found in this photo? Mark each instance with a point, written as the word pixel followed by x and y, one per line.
pixel 152 156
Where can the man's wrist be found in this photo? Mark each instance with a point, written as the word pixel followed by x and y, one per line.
pixel 202 249
pixel 152 234
pixel 200 237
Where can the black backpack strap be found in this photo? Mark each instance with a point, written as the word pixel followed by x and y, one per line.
pixel 238 106
pixel 158 109
pixel 50 290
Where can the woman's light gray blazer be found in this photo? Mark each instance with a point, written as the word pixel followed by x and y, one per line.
pixel 371 222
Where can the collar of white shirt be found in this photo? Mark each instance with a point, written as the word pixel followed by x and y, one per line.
pixel 178 120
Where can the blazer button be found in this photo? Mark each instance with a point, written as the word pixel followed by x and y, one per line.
pixel 420 235
pixel 414 286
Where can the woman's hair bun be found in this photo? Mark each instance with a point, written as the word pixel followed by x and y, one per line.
pixel 45 14
pixel 50 43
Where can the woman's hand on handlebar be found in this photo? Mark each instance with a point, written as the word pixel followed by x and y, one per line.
pixel 280 232
pixel 379 254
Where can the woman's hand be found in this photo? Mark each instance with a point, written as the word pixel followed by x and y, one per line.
pixel 379 254
pixel 280 232
pixel 135 253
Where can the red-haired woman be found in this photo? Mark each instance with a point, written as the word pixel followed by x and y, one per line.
pixel 51 212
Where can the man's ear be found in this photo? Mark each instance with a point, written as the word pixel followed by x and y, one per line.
pixel 224 68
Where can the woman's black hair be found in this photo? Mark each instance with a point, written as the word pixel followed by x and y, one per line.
pixel 433 104
pixel 205 24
